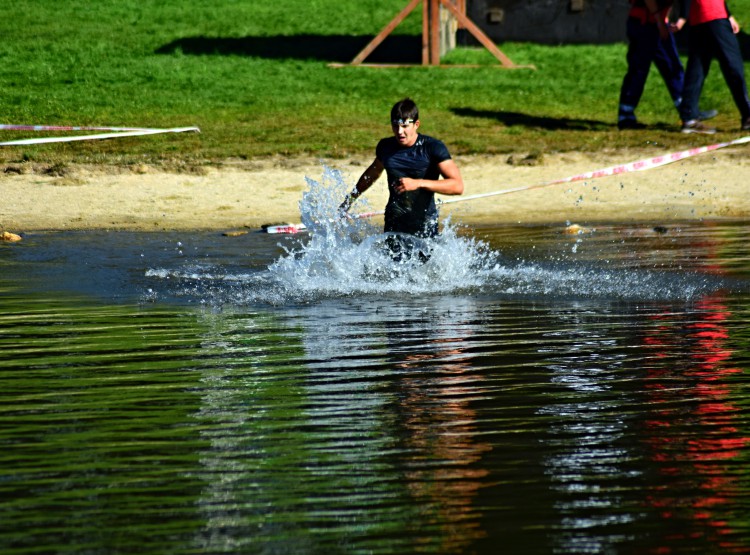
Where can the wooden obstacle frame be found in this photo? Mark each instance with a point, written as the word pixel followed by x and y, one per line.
pixel 435 34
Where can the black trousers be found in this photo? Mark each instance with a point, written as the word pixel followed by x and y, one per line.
pixel 709 41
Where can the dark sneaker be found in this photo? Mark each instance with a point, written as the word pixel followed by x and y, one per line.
pixel 707 114
pixel 630 124
pixel 696 126
pixel 746 125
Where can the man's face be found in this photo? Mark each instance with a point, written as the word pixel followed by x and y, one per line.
pixel 405 131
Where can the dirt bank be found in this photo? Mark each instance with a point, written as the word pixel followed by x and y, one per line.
pixel 245 195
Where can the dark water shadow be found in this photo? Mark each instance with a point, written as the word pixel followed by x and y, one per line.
pixel 511 119
pixel 401 49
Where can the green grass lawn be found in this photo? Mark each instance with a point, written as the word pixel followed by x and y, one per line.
pixel 255 77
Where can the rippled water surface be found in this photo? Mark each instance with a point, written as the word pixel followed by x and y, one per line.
pixel 526 390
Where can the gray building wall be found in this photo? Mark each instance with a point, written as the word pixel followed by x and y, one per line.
pixel 550 21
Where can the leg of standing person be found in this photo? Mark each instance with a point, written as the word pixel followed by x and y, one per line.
pixel 667 61
pixel 700 53
pixel 643 40
pixel 729 56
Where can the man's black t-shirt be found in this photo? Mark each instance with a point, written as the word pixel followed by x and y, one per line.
pixel 413 211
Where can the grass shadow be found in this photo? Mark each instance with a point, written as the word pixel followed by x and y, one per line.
pixel 396 49
pixel 510 119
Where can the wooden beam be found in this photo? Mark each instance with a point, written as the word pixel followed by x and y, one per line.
pixel 431 35
pixel 461 7
pixel 395 22
pixel 478 34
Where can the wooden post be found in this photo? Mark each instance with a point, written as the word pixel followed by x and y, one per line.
pixel 425 33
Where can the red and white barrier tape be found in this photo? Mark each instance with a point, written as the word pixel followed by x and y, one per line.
pixel 114 132
pixel 298 228
pixel 284 229
pixel 638 165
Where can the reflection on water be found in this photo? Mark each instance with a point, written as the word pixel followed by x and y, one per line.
pixel 570 394
pixel 377 448
pixel 711 450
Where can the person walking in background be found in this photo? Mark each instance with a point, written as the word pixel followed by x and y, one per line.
pixel 650 41
pixel 712 36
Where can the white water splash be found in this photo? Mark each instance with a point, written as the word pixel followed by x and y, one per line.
pixel 348 256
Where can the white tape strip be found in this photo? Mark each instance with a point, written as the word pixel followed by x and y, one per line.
pixel 126 133
pixel 16 127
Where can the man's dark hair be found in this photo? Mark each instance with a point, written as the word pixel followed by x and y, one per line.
pixel 404 109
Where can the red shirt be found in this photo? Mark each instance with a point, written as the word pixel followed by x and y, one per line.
pixel 703 11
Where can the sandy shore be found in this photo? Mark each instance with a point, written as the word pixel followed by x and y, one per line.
pixel 246 195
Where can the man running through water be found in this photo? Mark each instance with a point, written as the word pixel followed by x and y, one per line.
pixel 414 164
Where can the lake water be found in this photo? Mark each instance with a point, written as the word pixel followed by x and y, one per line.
pixel 525 390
